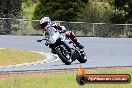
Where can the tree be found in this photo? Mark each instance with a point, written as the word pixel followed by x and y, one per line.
pixel 97 13
pixel 29 2
pixel 66 10
pixel 9 9
pixel 125 8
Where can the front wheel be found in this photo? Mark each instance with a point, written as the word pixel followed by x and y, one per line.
pixel 82 57
pixel 64 54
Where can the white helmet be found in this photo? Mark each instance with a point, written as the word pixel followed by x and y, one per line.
pixel 57 23
pixel 44 22
pixel 45 19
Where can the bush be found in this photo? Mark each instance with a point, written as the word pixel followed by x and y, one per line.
pixel 97 13
pixel 66 10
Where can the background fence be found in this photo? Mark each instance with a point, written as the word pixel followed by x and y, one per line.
pixel 32 27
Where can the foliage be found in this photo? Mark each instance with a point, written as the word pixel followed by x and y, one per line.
pixel 28 3
pixel 10 9
pixel 67 10
pixel 125 7
pixel 117 17
pixel 97 13
pixel 28 10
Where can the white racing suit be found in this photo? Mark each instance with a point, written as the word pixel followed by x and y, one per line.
pixel 52 34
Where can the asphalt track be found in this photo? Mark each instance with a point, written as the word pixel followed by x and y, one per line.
pixel 101 52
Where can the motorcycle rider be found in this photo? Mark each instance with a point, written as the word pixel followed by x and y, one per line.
pixel 69 34
pixel 45 24
pixel 47 29
pixel 50 31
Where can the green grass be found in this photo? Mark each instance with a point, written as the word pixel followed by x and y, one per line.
pixel 65 79
pixel 11 57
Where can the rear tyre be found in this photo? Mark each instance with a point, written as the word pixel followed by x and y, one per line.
pixel 64 55
pixel 82 58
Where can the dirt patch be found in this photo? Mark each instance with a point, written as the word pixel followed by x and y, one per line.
pixel 4 76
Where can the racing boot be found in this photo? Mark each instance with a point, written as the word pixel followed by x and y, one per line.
pixel 71 35
pixel 80 46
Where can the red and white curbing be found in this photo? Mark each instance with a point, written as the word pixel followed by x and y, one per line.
pixel 49 58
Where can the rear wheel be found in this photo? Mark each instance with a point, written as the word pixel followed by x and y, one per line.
pixel 82 56
pixel 64 54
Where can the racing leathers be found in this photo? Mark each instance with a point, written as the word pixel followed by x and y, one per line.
pixel 69 34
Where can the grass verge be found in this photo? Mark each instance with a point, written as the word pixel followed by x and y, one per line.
pixel 12 56
pixel 65 79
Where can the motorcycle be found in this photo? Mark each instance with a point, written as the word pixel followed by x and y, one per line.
pixel 66 49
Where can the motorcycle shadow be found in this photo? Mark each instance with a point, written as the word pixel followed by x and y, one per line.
pixel 74 63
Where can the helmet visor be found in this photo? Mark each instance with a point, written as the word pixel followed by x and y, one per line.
pixel 43 25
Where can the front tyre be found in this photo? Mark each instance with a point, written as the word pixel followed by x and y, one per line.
pixel 64 55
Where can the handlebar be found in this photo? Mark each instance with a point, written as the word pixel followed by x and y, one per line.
pixel 41 40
